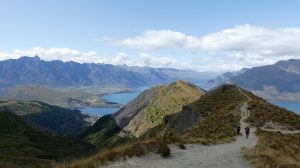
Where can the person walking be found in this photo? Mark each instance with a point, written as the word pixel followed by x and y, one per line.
pixel 238 129
pixel 247 130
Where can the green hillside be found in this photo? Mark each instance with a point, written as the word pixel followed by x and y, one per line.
pixel 52 118
pixel 22 146
pixel 102 132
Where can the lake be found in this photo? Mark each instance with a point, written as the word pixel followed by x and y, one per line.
pixel 122 98
pixel 292 106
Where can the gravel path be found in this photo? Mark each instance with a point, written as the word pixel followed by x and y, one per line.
pixel 196 155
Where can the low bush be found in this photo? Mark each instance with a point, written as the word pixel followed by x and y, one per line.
pixel 123 151
pixel 181 146
pixel 163 148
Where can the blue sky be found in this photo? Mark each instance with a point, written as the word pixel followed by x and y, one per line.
pixel 115 32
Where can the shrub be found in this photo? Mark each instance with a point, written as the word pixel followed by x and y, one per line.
pixel 163 148
pixel 181 146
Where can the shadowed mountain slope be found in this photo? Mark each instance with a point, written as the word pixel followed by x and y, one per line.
pixel 24 146
pixel 48 117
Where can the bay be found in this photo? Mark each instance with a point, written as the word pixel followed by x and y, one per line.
pixel 122 98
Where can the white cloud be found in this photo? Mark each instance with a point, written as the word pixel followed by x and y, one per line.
pixel 153 39
pixel 120 59
pixel 145 59
pixel 230 49
pixel 245 38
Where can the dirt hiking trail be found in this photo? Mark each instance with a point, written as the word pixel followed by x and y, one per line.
pixel 228 155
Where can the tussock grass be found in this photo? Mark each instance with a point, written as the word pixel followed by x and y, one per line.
pixel 220 113
pixel 123 151
pixel 275 150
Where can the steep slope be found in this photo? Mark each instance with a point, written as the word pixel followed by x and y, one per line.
pixel 33 70
pixel 164 100
pixel 51 118
pixel 24 146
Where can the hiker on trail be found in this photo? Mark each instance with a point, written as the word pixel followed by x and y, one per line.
pixel 247 130
pixel 238 129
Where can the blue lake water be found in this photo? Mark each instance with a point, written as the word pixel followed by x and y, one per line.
pixel 122 98
pixel 292 106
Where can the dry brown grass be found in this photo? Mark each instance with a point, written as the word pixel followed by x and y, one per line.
pixel 127 150
pixel 275 150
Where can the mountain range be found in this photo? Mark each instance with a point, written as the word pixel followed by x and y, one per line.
pixel 33 70
pixel 280 81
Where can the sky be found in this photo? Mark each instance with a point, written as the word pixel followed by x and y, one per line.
pixel 203 35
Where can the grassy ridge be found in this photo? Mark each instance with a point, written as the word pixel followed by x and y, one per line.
pixel 169 100
pixel 27 147
pixel 210 119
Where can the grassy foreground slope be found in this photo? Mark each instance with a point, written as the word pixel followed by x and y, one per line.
pixel 52 118
pixel 22 146
pixel 275 149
